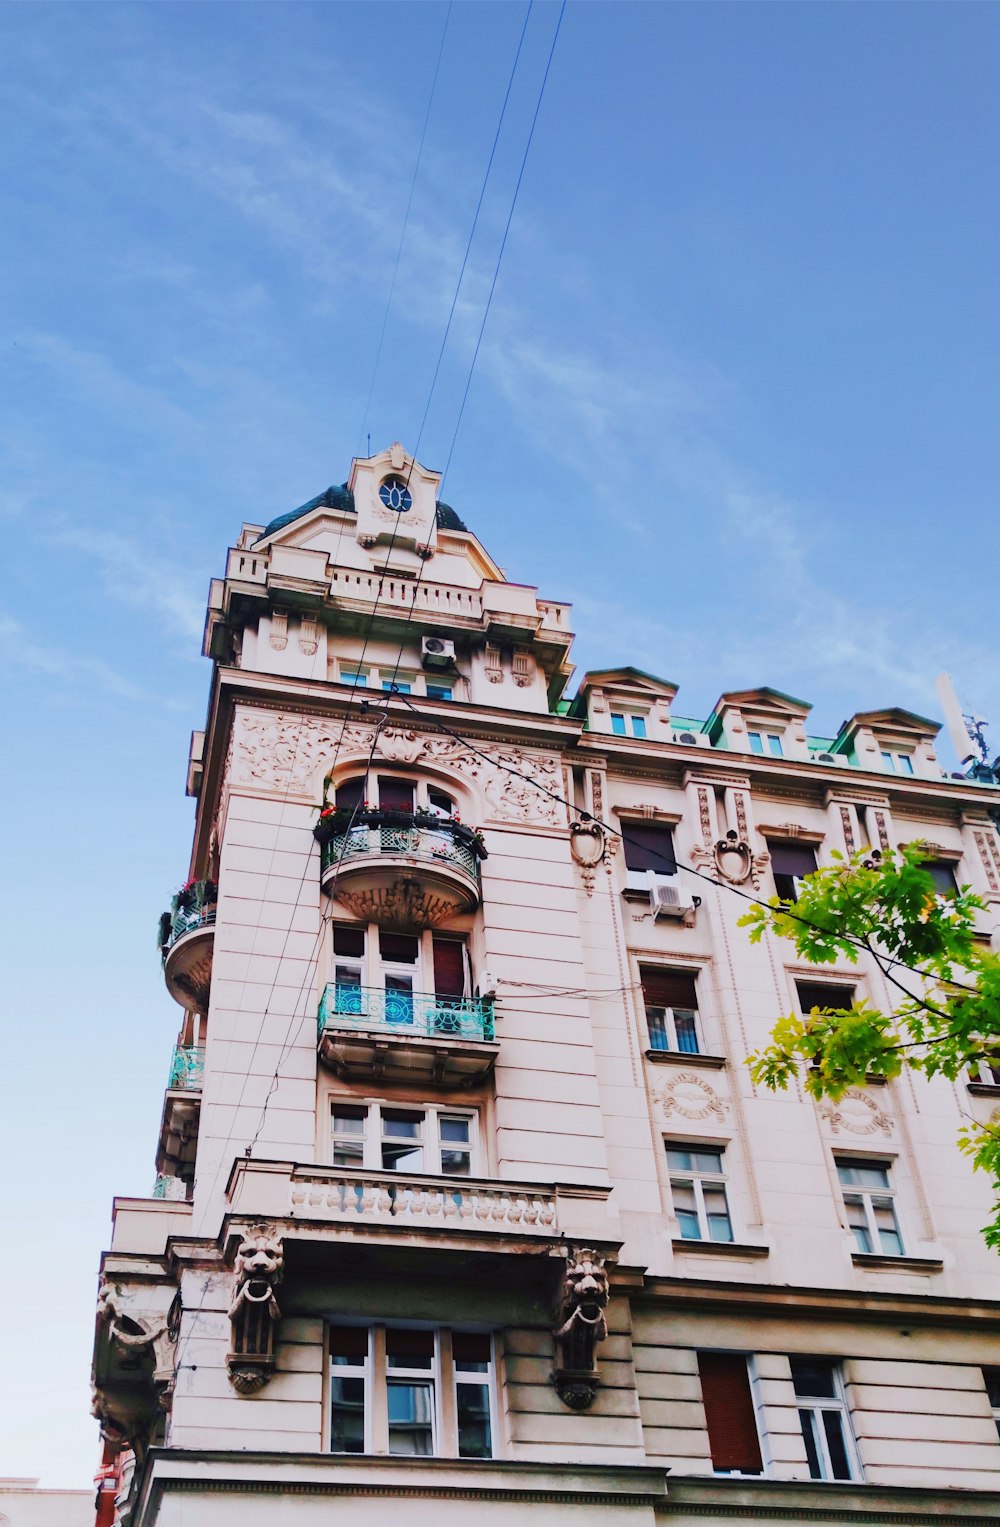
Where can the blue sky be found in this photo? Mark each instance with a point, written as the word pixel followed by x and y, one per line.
pixel 737 400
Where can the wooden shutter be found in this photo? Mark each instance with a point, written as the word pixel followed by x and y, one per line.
pixel 662 987
pixel 449 967
pixel 395 794
pixel 792 858
pixel 649 846
pixel 729 1412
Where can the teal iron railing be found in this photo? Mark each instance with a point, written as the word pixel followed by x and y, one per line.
pixel 187 1069
pixel 441 841
pixel 194 907
pixel 171 1187
pixel 401 1012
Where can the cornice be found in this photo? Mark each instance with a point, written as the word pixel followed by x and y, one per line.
pixel 780 1500
pixel 837 1304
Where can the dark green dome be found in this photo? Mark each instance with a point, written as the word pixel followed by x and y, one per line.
pixel 340 497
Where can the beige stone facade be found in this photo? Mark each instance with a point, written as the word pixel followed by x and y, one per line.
pixel 465 1193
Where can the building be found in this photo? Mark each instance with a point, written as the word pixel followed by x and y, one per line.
pixel 465 1193
pixel 24 1504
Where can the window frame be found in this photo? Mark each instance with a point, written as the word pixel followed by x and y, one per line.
pixel 893 758
pixel 373 1135
pixel 753 1409
pixel 696 1178
pixel 375 677
pixel 991 1381
pixel 795 880
pixel 633 724
pixel 670 1012
pixel 835 1404
pixel 643 879
pixel 373 969
pixel 771 744
pixel 867 1195
pixel 443 1377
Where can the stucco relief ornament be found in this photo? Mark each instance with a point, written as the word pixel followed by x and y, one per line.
pixel 583 1299
pixel 857 1112
pixel 691 1097
pixel 732 859
pixel 588 844
pixel 143 1335
pixel 254 1312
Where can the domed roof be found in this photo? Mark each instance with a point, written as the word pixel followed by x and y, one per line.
pixel 340 497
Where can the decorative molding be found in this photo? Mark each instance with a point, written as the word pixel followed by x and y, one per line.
pixel 856 1112
pixel 308 635
pixel 691 1097
pixel 583 1299
pixel 278 636
pixel 520 667
pixel 403 904
pixel 283 752
pixel 588 844
pixel 848 826
pixel 732 858
pixel 883 831
pixel 494 663
pixel 254 1311
pixel 989 853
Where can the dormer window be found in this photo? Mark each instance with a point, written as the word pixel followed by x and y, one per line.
pixel 627 724
pixel 896 761
pixel 766 743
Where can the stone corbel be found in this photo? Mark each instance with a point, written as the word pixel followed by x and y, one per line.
pixel 279 630
pixel 494 664
pixel 254 1312
pixel 308 635
pixel 582 1323
pixel 520 667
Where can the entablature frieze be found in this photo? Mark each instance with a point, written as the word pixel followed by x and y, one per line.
pixel 854 1305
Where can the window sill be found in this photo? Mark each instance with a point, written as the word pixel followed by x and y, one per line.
pixel 680 1057
pixel 984 1089
pixel 876 1261
pixel 739 1249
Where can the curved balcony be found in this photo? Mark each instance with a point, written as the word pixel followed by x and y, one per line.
pixel 405 869
pixel 187 940
pixel 366 1032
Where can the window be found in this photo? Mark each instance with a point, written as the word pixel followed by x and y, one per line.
pixel 698 1188
pixel 789 863
pixel 388 1386
pixel 766 742
pixel 387 1138
pixel 824 994
pixel 991 1378
pixel 987 1072
pixel 897 763
pixel 356 676
pixel 624 724
pixel 368 962
pixel 823 1417
pixel 729 1413
pixel 671 1005
pixel 942 872
pixel 439 691
pixel 871 1211
pixel 392 792
pixel 396 686
pixel 649 847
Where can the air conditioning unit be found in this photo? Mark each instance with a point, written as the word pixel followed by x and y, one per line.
pixel 437 652
pixel 825 758
pixel 487 986
pixel 668 900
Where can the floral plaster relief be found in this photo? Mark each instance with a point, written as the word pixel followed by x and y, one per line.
pixel 284 752
pixel 691 1097
pixel 857 1112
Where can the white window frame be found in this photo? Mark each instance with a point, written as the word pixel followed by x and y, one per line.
pixel 442 1376
pixel 767 741
pixel 373 969
pixel 893 761
pixel 373 1134
pixel 867 1196
pixel 346 673
pixel 670 1029
pixel 628 719
pixel 994 1408
pixel 838 1404
pixel 696 1178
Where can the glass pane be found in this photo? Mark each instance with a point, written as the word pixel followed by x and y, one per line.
pixel 858 1221
pixel 991 1377
pixel 618 725
pixel 679 1159
pixel 813 1377
pixel 638 726
pixel 411 1410
pixel 455 1129
pixel 402 1158
pixel 347 1415
pixel 807 1421
pixel 348 1344
pixel 398 999
pixel 349 1123
pixel 439 691
pixel 352 676
pixel 836 1442
pixel 862 1174
pixel 756 742
pixel 473 1404
pixel 686 1030
pixel 456 1163
pixel 348 996
pixel 349 1153
pixel 717 1214
pixel 397 685
pixel 398 948
pixel 402 1126
pixel 470 1351
pixel 348 941
pixel 905 763
pixel 774 745
pixel 688 1224
pixel 656 1023
pixel 887 760
pixel 442 805
pixel 406 1348
pixel 707 1161
pixel 890 1240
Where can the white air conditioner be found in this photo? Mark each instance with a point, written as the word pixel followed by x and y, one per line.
pixel 437 652
pixel 487 986
pixel 668 900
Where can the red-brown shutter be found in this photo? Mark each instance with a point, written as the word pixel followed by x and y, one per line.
pixel 649 846
pixel 662 987
pixel 729 1412
pixel 395 794
pixel 449 967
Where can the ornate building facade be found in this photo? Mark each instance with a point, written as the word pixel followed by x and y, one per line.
pixel 465 1193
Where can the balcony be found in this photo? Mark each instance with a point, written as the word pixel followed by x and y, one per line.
pixel 366 1032
pixel 404 869
pixel 187 1069
pixel 187 939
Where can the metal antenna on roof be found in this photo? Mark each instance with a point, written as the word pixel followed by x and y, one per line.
pixel 968 733
pixel 369 444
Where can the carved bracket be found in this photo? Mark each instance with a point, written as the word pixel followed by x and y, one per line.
pixel 588 843
pixel 583 1299
pixel 254 1312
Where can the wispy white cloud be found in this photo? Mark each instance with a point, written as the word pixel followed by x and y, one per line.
pixel 21 655
pixel 133 573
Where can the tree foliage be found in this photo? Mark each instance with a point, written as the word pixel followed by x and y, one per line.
pixel 944 1016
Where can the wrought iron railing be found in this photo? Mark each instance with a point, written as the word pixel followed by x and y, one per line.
pixel 194 907
pixel 187 1069
pixel 415 835
pixel 400 1012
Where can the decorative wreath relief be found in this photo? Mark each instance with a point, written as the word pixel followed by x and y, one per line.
pixel 857 1112
pixel 691 1097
